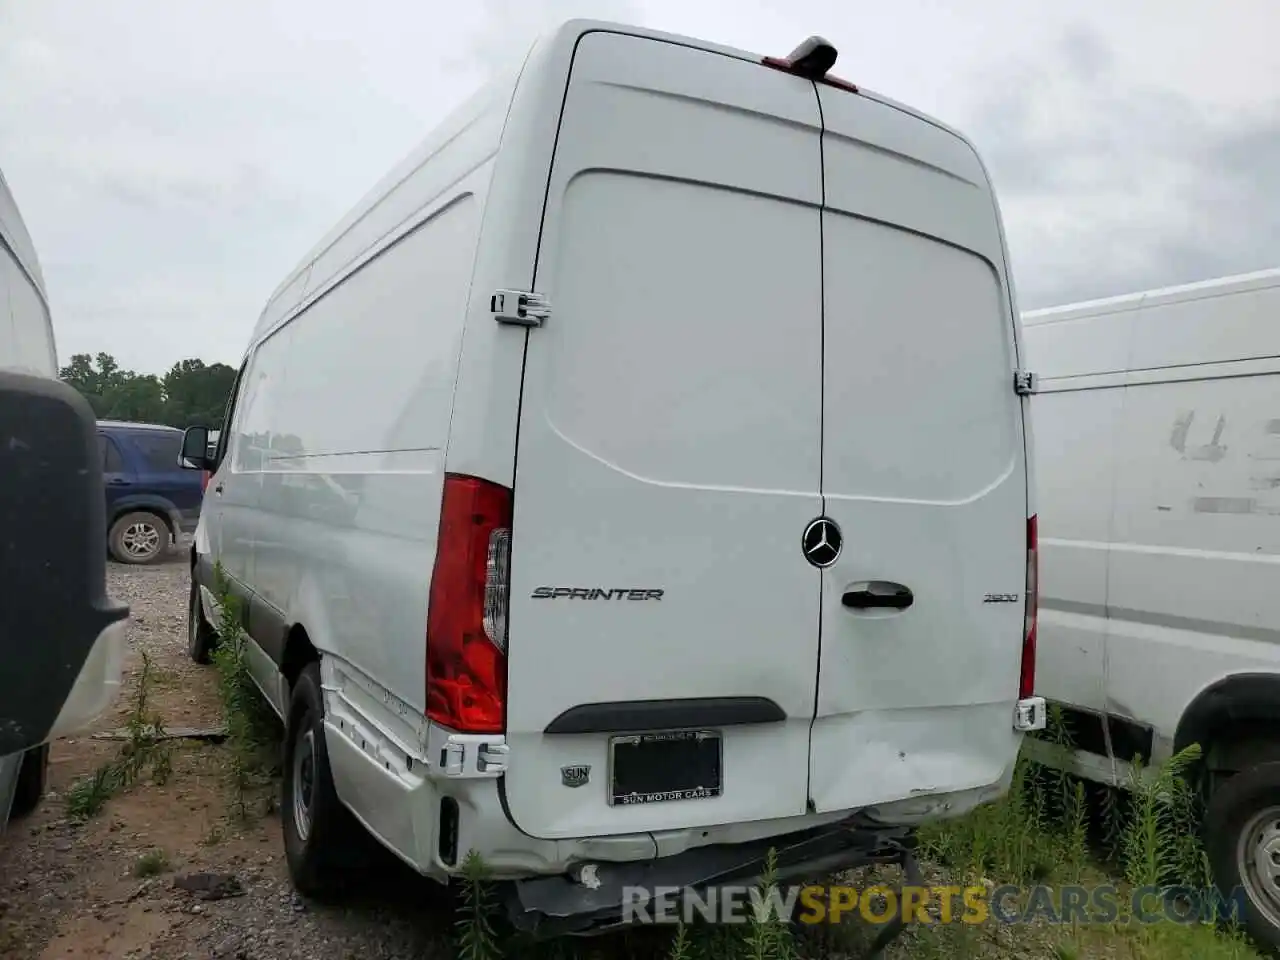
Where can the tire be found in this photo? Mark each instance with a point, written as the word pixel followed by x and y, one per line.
pixel 139 538
pixel 1242 827
pixel 201 636
pixel 323 842
pixel 32 778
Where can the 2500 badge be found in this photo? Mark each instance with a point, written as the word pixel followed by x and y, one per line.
pixel 595 593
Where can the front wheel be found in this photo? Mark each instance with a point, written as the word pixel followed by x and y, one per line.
pixel 138 538
pixel 323 842
pixel 1242 824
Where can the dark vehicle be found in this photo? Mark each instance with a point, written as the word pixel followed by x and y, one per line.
pixel 150 497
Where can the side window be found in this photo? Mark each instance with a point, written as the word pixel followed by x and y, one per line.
pixel 161 451
pixel 256 403
pixel 229 415
pixel 112 462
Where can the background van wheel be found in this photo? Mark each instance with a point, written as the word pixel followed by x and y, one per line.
pixel 138 538
pixel 1242 825
pixel 323 843
pixel 201 636
pixel 32 778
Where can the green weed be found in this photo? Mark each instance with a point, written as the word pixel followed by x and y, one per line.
pixel 251 727
pixel 151 864
pixel 144 749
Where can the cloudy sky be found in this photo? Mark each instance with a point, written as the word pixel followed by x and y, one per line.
pixel 173 160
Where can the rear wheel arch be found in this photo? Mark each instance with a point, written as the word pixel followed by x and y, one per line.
pixel 1235 720
pixel 298 652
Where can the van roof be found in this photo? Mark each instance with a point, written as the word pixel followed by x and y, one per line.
pixel 496 94
pixel 1235 283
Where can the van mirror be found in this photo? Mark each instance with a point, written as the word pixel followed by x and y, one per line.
pixel 195 449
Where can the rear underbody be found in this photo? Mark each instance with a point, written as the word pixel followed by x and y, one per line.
pixel 596 898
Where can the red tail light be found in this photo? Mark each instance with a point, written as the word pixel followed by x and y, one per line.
pixel 1027 680
pixel 466 618
pixel 204 480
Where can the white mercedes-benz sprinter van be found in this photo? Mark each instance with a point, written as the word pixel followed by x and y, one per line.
pixel 637 478
pixel 1158 450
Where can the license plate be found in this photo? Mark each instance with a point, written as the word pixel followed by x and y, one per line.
pixel 656 767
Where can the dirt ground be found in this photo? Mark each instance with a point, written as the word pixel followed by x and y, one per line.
pixel 78 891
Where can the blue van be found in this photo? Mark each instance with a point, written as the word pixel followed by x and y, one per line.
pixel 150 497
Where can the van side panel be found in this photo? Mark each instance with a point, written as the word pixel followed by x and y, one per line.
pixel 923 465
pixel 348 450
pixel 486 401
pixel 1161 404
pixel 26 334
pixel 1076 436
pixel 669 433
pixel 1075 419
pixel 1196 553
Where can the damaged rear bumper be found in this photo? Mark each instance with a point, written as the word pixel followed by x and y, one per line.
pixel 597 897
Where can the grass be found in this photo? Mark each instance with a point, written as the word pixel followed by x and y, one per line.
pixel 251 727
pixel 144 750
pixel 151 864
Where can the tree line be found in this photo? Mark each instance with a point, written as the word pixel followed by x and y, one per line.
pixel 190 394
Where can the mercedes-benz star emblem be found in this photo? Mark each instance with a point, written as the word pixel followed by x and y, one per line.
pixel 822 542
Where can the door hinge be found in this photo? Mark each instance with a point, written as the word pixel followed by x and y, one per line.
pixel 520 308
pixel 1025 383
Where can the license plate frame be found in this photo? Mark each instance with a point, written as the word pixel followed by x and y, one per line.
pixel 676 747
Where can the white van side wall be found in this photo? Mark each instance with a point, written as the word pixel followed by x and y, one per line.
pixel 26 329
pixel 1159 431
pixel 337 451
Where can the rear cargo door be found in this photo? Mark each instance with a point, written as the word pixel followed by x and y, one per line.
pixel 668 455
pixel 923 466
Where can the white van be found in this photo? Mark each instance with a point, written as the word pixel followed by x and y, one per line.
pixel 639 470
pixel 51 683
pixel 1157 426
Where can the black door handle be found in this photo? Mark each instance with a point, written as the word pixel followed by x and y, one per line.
pixel 877 593
pixel 218 488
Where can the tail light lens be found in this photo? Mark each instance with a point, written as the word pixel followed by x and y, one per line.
pixel 204 480
pixel 467 613
pixel 1027 679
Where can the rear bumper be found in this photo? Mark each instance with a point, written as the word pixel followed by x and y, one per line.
pixel 597 897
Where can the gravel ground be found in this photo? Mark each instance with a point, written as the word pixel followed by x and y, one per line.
pixel 71 890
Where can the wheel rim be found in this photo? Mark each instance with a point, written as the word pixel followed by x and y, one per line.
pixel 304 771
pixel 140 540
pixel 1258 858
